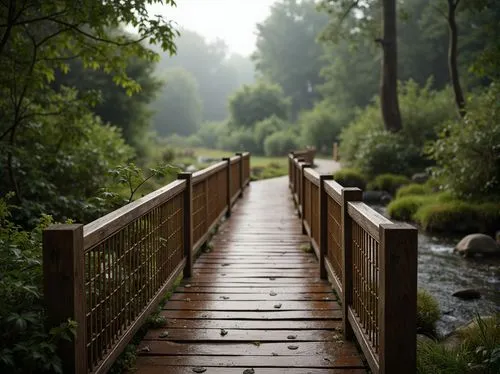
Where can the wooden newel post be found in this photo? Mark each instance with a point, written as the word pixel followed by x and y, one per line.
pixel 228 186
pixel 299 186
pixel 323 225
pixel 348 194
pixel 241 173
pixel 302 198
pixel 188 222
pixel 397 298
pixel 335 151
pixel 64 290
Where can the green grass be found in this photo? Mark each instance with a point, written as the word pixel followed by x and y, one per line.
pixel 478 351
pixel 428 313
pixel 262 167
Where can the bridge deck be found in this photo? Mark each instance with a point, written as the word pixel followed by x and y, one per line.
pixel 255 301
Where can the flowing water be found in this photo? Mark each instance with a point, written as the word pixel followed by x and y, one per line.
pixel 442 272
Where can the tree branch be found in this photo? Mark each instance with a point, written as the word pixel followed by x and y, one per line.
pixel 353 5
pixel 10 21
pixel 96 38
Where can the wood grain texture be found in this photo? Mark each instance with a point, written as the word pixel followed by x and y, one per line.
pixel 255 300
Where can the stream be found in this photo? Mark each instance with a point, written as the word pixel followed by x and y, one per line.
pixel 441 272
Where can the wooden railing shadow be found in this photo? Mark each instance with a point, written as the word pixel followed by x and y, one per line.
pixel 371 262
pixel 110 274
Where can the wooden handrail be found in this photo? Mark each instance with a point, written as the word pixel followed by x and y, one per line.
pixel 96 231
pixel 371 262
pixel 110 274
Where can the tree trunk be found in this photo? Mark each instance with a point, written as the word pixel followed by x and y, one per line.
pixel 389 84
pixel 452 57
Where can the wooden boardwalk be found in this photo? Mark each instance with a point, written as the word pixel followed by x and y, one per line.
pixel 255 303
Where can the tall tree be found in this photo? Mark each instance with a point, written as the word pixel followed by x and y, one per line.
pixel 389 102
pixel 38 38
pixel 216 73
pixel 254 103
pixel 130 113
pixel 178 107
pixel 453 56
pixel 287 51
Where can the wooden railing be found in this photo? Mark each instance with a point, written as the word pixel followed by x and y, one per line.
pixel 307 154
pixel 371 262
pixel 109 275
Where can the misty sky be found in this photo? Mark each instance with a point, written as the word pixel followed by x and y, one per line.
pixel 231 20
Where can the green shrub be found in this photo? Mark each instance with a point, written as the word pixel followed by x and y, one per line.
pixel 239 140
pixel 449 216
pixel 467 152
pixel 349 177
pixel 280 144
pixel 413 189
pixel 194 141
pixel 321 126
pixel 253 103
pixel 423 111
pixel 60 169
pixel 210 132
pixel 265 128
pixel 404 208
pixel 383 152
pixel 26 345
pixel 482 339
pixel 435 358
pixel 478 352
pixel 428 312
pixel 388 182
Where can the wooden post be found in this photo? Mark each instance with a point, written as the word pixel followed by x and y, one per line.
pixel 323 224
pixel 228 186
pixel 302 197
pixel 188 222
pixel 397 298
pixel 64 290
pixel 241 173
pixel 335 151
pixel 348 194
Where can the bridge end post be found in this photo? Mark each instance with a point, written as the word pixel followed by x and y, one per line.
pixel 348 194
pixel 228 186
pixel 64 290
pixel 302 200
pixel 188 222
pixel 323 224
pixel 397 306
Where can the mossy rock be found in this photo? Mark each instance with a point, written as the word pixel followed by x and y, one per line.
pixel 348 177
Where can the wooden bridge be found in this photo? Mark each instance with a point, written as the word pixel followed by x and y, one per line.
pixel 255 300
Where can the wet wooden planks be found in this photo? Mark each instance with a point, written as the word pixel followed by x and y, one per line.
pixel 254 302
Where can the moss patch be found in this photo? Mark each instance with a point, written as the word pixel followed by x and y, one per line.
pixel 388 182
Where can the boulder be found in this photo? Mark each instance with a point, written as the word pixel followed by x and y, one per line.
pixel 468 294
pixel 419 178
pixel 455 338
pixel 477 244
pixel 376 197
